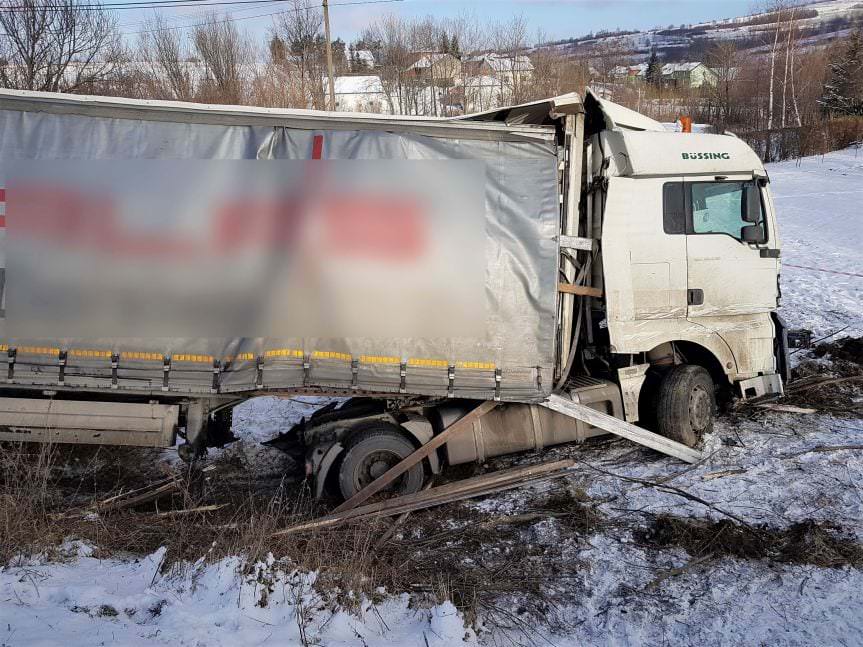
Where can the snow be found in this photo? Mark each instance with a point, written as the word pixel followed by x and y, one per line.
pixel 734 603
pixel 367 84
pixel 760 469
pixel 818 201
pixel 126 602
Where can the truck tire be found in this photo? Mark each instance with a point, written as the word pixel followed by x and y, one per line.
pixel 371 452
pixel 686 404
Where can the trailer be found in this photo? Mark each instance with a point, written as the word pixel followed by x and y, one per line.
pixel 467 287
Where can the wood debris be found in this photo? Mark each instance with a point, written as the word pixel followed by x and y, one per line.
pixel 786 408
pixel 457 491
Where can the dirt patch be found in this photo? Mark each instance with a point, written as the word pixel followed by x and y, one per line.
pixel 830 378
pixel 806 542
pixel 846 349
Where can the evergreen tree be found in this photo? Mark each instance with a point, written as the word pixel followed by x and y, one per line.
pixel 444 44
pixel 454 47
pixel 843 92
pixel 654 69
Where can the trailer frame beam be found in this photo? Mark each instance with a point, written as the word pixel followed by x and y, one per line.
pixel 621 428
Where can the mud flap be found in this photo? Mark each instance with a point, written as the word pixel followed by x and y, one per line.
pixel 780 347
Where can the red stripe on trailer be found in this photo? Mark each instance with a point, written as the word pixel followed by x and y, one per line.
pixel 317 147
pixel 2 195
pixel 2 222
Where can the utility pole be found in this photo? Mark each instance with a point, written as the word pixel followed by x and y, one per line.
pixel 332 82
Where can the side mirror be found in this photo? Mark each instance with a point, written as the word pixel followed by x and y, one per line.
pixel 751 204
pixel 753 234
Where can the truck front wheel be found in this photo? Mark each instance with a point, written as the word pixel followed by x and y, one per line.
pixel 372 452
pixel 686 404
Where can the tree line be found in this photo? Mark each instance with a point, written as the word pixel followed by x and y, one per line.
pixel 790 93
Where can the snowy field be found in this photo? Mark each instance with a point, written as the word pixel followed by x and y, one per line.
pixel 820 205
pixel 767 471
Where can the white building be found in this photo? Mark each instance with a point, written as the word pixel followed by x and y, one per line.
pixel 360 94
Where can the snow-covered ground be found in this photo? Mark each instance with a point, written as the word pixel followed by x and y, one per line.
pixel 820 205
pixel 761 470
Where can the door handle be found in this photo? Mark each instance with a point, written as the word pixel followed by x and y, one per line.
pixel 695 297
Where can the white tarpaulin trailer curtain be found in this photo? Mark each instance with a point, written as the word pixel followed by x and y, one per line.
pixel 513 359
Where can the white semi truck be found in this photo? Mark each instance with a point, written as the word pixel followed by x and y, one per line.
pixel 623 268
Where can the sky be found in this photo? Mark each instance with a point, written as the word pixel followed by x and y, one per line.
pixel 554 19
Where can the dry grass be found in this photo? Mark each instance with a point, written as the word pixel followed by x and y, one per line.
pixel 806 542
pixel 510 568
pixel 27 498
pixel 451 553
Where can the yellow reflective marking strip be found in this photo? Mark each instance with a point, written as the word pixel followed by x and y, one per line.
pixel 273 353
pixel 379 359
pixel 38 350
pixel 326 354
pixel 86 352
pixel 239 357
pixel 193 358
pixel 284 352
pixel 433 363
pixel 480 366
pixel 157 357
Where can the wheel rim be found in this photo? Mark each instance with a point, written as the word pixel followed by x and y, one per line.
pixel 700 408
pixel 376 464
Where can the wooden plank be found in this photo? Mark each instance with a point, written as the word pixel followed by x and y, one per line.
pixel 408 462
pixel 578 243
pixel 620 428
pixel 143 497
pixel 786 408
pixel 580 290
pixel 468 488
pixel 199 509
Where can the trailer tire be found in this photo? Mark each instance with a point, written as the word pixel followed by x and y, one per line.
pixel 371 452
pixel 686 404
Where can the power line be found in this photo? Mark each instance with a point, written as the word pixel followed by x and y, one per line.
pixel 263 15
pixel 154 4
pixel 178 18
pixel 171 4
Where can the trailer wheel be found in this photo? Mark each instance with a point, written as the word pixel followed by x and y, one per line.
pixel 373 451
pixel 686 404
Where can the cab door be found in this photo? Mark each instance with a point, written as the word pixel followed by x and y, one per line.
pixel 732 254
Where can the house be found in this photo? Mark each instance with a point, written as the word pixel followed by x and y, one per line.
pixel 688 75
pixel 507 68
pixel 679 75
pixel 359 94
pixel 359 59
pixel 440 69
pixel 630 73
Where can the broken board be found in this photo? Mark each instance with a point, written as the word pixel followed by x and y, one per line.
pixel 620 428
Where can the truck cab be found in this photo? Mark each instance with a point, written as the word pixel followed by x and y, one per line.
pixel 689 258
pixel 690 247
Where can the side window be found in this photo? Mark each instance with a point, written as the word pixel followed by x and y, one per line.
pixel 720 207
pixel 673 208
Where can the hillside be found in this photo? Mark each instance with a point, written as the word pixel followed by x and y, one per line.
pixel 819 23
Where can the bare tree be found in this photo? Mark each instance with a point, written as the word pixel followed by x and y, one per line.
pixel 58 46
pixel 226 56
pixel 167 68
pixel 725 60
pixel 389 38
pixel 510 39
pixel 300 28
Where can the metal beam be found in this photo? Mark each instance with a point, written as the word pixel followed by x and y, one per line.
pixel 620 428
